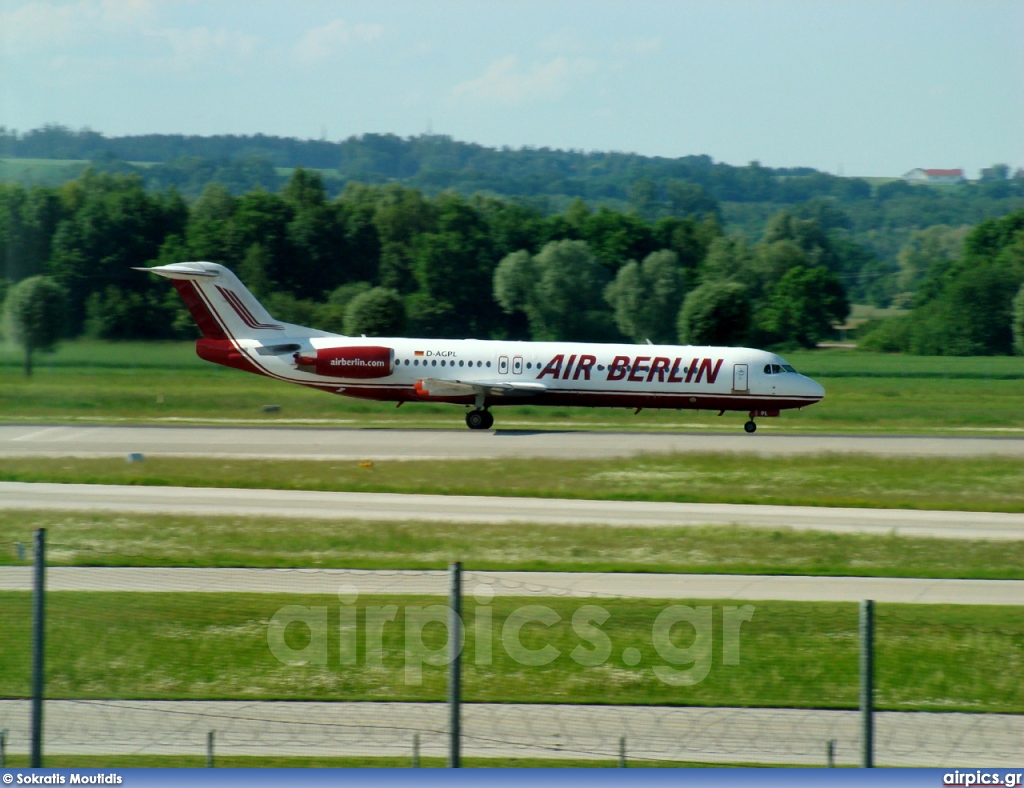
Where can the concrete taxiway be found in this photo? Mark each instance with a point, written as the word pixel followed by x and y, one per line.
pixel 630 585
pixel 457 509
pixel 430 444
pixel 710 735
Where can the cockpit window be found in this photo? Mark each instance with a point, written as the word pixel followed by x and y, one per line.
pixel 788 368
pixel 777 369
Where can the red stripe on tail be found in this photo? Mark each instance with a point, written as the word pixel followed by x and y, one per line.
pixel 197 307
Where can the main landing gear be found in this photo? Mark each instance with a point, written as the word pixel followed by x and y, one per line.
pixel 479 420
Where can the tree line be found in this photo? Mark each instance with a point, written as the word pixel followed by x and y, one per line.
pixel 874 220
pixel 388 259
pixel 968 292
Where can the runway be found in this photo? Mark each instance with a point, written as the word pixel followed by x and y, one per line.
pixel 710 735
pixel 428 444
pixel 747 588
pixel 458 509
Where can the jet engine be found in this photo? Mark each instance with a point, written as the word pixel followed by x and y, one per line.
pixel 363 361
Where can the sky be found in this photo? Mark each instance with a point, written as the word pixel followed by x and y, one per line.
pixel 854 87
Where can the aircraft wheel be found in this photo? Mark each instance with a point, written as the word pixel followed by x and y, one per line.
pixel 750 427
pixel 477 419
pixel 488 420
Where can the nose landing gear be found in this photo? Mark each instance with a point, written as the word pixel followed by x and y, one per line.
pixel 750 427
pixel 479 420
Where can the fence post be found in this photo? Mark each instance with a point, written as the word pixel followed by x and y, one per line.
pixel 38 643
pixel 454 663
pixel 622 752
pixel 867 647
pixel 209 750
pixel 831 754
pixel 3 748
pixel 415 751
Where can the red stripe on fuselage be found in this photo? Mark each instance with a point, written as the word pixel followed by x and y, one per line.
pixel 595 399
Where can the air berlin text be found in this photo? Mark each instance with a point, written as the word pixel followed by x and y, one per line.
pixel 639 369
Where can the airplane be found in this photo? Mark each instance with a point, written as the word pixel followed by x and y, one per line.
pixel 238 332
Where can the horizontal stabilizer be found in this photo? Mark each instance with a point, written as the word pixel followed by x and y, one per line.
pixel 184 270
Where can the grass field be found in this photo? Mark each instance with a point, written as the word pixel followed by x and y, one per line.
pixel 973 484
pixel 99 539
pixel 41 172
pixel 166 383
pixel 802 655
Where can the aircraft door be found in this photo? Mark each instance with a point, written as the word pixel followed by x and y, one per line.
pixel 502 365
pixel 739 378
pixel 517 365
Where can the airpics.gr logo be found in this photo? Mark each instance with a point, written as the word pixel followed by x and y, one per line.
pixel 525 635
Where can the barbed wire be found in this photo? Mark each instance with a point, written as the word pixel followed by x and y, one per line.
pixel 771 731
pixel 714 735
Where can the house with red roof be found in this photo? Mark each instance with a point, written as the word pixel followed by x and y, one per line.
pixel 934 176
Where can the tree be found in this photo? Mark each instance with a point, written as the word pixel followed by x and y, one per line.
pixel 997 172
pixel 1018 322
pixel 807 234
pixel 688 238
pixel 935 248
pixel 728 259
pixel 690 199
pixel 804 306
pixel 116 226
pixel 34 315
pixel 643 196
pixel 615 238
pixel 716 313
pixel 209 227
pixel 559 291
pixel 966 307
pixel 454 269
pixel 379 312
pixel 567 300
pixel 646 297
pixel 513 281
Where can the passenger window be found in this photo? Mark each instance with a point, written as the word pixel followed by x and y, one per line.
pixel 433 363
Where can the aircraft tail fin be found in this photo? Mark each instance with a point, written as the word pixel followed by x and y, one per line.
pixel 223 307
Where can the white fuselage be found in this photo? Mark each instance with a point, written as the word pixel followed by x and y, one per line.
pixel 239 332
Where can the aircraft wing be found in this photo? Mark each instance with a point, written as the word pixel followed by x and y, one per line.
pixel 432 387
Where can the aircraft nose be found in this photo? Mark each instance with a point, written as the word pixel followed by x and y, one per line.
pixel 814 388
